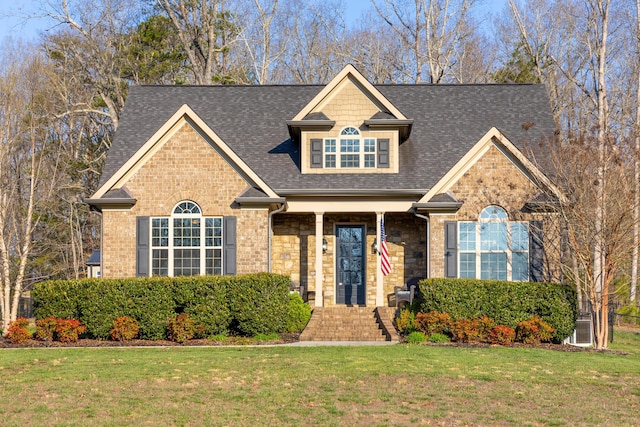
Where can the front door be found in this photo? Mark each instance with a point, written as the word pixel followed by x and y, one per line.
pixel 350 265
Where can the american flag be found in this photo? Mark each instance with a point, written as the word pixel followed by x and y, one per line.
pixel 384 251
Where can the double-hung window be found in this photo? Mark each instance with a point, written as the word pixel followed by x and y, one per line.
pixel 350 150
pixel 494 247
pixel 186 243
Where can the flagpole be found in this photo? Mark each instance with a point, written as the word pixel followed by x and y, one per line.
pixel 379 276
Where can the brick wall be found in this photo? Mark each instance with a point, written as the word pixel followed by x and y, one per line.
pixel 493 180
pixel 185 168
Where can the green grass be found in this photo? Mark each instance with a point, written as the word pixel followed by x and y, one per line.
pixel 326 386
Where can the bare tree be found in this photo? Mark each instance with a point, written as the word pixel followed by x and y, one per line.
pixel 432 32
pixel 316 52
pixel 93 47
pixel 23 128
pixel 207 31
pixel 263 26
pixel 636 196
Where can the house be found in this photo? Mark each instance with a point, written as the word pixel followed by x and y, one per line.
pixel 300 180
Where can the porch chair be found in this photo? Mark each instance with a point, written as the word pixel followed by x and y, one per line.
pixel 404 294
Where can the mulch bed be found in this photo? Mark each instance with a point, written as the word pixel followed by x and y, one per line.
pixel 284 339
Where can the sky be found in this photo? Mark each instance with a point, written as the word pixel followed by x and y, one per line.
pixel 12 23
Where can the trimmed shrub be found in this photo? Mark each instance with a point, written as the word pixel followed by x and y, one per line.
pixel 205 299
pixel 534 331
pixel 416 337
pixel 433 322
pixel 18 331
pixel 465 330
pixel 298 315
pixel 507 303
pixel 218 305
pixel 124 329
pixel 259 303
pixel 46 328
pixel 58 298
pixel 68 330
pixel 181 328
pixel 405 322
pixel 501 334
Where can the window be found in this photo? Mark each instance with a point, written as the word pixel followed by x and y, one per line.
pixel 186 243
pixel 494 247
pixel 350 151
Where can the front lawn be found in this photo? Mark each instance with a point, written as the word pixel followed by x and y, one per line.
pixel 327 386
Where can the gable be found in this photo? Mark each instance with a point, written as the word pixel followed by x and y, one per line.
pixel 507 162
pixel 349 104
pixel 185 116
pixel 185 167
pixel 348 76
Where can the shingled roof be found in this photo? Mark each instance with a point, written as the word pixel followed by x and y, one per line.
pixel 447 121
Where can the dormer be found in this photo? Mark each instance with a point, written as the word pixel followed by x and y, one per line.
pixel 349 127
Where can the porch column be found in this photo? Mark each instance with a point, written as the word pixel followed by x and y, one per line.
pixel 319 276
pixel 379 276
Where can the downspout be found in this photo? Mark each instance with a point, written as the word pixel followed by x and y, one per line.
pixel 269 231
pixel 426 218
pixel 99 213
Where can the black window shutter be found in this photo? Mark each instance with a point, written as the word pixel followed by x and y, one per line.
pixel 142 246
pixel 316 153
pixel 383 153
pixel 451 249
pixel 536 252
pixel 229 245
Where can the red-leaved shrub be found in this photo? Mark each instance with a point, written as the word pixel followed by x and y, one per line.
pixel 534 331
pixel 501 334
pixel 46 328
pixel 433 322
pixel 181 328
pixel 485 325
pixel 18 331
pixel 464 330
pixel 124 329
pixel 68 330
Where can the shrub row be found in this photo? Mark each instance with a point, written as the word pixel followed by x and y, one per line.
pixel 507 303
pixel 439 327
pixel 218 305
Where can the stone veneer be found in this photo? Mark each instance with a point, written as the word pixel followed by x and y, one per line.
pixel 187 167
pixel 293 249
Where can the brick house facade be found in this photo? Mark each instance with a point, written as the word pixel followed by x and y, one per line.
pixel 299 180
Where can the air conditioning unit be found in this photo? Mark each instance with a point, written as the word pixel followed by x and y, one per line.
pixel 583 333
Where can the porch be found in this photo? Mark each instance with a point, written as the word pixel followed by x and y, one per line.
pixel 334 260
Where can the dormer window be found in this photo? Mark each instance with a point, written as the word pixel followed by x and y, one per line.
pixel 350 151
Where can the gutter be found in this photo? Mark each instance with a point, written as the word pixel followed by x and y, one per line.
pixel 110 202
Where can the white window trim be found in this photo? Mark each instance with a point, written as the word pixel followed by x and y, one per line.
pixel 170 238
pixel 361 152
pixel 479 251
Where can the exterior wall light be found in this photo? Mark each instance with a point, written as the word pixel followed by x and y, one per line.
pixel 325 245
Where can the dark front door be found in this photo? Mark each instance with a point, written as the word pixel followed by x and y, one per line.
pixel 350 268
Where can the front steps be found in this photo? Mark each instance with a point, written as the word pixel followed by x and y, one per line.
pixel 342 323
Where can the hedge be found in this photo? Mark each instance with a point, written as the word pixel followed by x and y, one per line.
pixel 246 304
pixel 507 303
